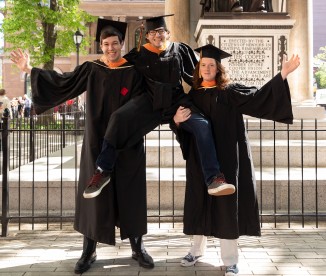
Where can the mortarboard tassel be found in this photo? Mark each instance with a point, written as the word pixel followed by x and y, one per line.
pixel 201 53
pixel 140 36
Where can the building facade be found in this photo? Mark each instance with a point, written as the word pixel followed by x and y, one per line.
pixel 182 26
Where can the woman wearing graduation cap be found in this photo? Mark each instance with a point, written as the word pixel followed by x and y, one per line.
pixel 163 65
pixel 110 83
pixel 228 217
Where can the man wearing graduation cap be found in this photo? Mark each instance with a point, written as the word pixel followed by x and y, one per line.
pixel 229 217
pixel 164 65
pixel 110 83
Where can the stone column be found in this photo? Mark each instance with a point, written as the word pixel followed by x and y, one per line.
pixel 195 11
pixel 301 43
pixel 179 24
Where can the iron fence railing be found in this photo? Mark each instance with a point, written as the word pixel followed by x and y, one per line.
pixel 290 170
pixel 34 137
pixel 24 140
pixel 40 166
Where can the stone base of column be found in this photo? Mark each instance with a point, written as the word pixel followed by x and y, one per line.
pixel 307 110
pixel 256 41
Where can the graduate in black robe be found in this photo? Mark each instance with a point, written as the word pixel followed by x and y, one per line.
pixel 227 217
pixel 110 83
pixel 164 65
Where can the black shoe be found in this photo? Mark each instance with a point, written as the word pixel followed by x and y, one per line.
pixel 88 256
pixel 139 253
pixel 98 181
pixel 143 258
pixel 84 263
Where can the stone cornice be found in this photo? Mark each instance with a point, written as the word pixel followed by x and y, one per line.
pixel 268 23
pixel 131 9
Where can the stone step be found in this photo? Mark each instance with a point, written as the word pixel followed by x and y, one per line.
pixel 277 188
pixel 161 132
pixel 308 153
pixel 305 129
pixel 300 129
pixel 274 189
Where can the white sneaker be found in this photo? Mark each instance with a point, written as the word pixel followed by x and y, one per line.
pixel 231 270
pixel 189 260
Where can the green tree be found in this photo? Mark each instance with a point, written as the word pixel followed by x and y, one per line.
pixel 320 74
pixel 44 28
pixel 320 77
pixel 322 56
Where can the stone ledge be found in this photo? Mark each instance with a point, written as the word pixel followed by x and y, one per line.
pixel 166 175
pixel 308 112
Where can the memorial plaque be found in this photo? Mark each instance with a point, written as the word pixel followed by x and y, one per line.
pixel 252 59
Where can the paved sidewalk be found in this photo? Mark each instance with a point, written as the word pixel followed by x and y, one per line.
pixel 282 251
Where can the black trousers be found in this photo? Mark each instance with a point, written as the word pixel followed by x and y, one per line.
pixel 128 125
pixel 131 122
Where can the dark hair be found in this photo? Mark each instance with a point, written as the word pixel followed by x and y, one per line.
pixel 110 31
pixel 2 92
pixel 165 29
pixel 221 77
pixel 167 38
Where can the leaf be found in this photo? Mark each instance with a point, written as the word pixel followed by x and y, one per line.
pixel 44 28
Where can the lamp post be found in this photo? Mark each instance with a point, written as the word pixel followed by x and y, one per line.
pixel 78 38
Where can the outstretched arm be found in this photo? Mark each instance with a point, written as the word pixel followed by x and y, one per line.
pixel 22 60
pixel 288 66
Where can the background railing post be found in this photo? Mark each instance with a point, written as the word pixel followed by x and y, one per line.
pixel 5 173
pixel 63 127
pixel 31 137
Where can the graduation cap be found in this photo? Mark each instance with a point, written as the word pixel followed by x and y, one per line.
pixel 154 23
pixel 105 24
pixel 210 51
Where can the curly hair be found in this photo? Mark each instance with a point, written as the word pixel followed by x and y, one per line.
pixel 221 78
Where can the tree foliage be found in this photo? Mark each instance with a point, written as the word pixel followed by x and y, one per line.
pixel 320 77
pixel 44 28
pixel 322 56
pixel 320 74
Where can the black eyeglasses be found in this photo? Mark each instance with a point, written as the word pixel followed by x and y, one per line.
pixel 153 32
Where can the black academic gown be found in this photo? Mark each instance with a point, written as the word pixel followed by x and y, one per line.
pixel 229 217
pixel 123 202
pixel 163 74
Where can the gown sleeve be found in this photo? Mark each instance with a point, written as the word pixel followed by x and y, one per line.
pixel 188 62
pixel 271 102
pixel 132 56
pixel 50 88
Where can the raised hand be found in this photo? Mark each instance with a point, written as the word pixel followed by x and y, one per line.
pixel 22 60
pixel 288 66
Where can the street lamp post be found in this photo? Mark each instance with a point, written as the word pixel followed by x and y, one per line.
pixel 78 38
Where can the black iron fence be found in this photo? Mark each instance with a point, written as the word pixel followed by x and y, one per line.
pixel 37 136
pixel 40 166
